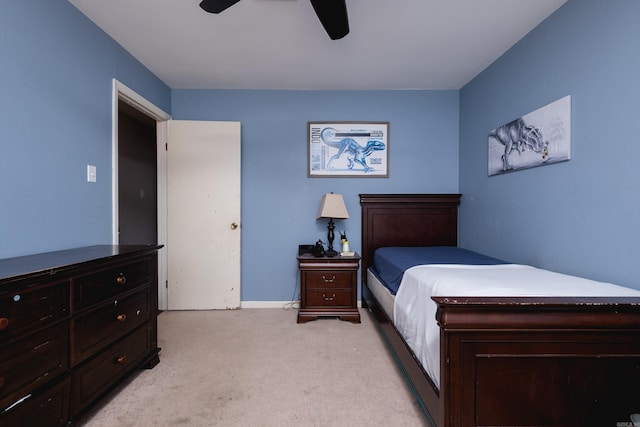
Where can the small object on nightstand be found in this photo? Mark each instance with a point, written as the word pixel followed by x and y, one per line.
pixel 318 249
pixel 345 247
pixel 305 249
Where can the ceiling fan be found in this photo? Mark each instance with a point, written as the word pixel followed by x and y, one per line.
pixel 332 14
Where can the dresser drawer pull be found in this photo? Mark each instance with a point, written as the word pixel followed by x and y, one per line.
pixel 4 323
pixel 49 316
pixel 328 280
pixel 326 298
pixel 120 360
pixel 121 279
pixel 121 317
pixel 42 345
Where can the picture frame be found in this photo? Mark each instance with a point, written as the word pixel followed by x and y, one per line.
pixel 348 149
pixel 541 137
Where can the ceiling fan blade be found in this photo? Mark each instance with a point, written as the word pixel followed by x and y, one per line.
pixel 333 16
pixel 217 6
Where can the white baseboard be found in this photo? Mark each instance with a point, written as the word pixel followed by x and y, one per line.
pixel 267 304
pixel 274 304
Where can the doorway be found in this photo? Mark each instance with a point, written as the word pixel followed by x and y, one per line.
pixel 146 112
pixel 137 177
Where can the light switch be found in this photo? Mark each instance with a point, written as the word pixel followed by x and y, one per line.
pixel 91 173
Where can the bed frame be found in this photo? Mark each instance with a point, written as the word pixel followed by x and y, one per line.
pixel 508 361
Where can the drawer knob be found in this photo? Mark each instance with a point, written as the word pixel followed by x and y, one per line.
pixel 333 278
pixel 121 317
pixel 326 298
pixel 121 279
pixel 4 323
pixel 120 360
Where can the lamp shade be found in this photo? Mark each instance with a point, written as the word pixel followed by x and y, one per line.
pixel 332 206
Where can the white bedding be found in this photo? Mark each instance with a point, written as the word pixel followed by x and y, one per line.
pixel 414 311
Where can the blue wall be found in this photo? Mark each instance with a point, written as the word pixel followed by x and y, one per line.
pixel 581 216
pixel 423 158
pixel 577 217
pixel 56 69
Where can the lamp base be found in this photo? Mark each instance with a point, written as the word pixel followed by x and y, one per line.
pixel 330 252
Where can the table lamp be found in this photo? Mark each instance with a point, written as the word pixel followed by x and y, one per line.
pixel 332 206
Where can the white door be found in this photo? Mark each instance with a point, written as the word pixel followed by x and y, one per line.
pixel 203 215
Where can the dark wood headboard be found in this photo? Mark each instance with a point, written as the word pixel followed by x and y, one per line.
pixel 407 220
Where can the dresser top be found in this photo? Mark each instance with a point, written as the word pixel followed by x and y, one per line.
pixel 53 262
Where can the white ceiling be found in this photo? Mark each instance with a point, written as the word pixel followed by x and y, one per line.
pixel 280 44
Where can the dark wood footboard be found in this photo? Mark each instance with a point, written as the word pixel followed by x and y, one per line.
pixel 539 361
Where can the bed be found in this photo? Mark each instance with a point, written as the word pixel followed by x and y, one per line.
pixel 504 360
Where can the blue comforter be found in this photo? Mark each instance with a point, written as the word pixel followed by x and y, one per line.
pixel 390 263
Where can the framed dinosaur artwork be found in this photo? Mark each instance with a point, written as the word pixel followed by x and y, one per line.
pixel 348 149
pixel 538 138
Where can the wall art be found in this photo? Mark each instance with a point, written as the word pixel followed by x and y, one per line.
pixel 538 138
pixel 348 149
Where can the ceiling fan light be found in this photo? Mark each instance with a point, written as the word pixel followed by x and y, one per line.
pixel 217 6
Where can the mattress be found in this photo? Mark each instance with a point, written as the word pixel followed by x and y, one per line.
pixel 414 311
pixel 383 295
pixel 390 263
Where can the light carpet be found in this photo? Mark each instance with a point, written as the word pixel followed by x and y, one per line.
pixel 258 367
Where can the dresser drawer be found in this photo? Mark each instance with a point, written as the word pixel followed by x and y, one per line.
pixel 328 298
pixel 93 288
pixel 95 377
pixel 97 329
pixel 31 308
pixel 48 408
pixel 30 362
pixel 328 279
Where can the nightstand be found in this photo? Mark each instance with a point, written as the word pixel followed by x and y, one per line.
pixel 328 287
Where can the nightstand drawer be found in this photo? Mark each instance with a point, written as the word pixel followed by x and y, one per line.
pixel 329 279
pixel 328 298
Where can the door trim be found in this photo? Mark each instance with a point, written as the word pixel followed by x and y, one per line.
pixel 123 93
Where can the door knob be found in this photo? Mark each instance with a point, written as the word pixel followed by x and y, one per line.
pixel 234 225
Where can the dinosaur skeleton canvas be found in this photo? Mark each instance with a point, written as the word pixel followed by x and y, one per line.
pixel 348 149
pixel 535 139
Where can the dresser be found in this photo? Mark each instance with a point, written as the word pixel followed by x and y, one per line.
pixel 328 287
pixel 73 324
